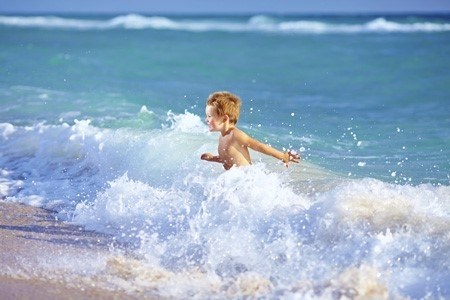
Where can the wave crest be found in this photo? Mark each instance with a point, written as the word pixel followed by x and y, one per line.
pixel 258 23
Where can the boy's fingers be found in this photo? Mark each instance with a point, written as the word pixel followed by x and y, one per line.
pixel 294 157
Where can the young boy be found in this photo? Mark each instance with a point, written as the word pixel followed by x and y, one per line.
pixel 222 113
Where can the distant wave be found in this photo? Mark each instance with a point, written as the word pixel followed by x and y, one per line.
pixel 259 23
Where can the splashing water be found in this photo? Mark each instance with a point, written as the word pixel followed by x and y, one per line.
pixel 258 231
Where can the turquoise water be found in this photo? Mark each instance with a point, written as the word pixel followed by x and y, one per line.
pixel 92 107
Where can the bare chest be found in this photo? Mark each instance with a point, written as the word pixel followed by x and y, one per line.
pixel 225 144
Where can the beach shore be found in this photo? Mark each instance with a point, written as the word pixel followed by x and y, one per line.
pixel 26 235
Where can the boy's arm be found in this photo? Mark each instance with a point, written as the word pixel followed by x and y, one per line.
pixel 210 157
pixel 286 157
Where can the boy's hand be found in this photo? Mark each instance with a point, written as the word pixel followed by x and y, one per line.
pixel 290 156
pixel 207 156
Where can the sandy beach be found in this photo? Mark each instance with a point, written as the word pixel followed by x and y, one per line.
pixel 26 235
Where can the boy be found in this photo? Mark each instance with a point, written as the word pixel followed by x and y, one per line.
pixel 222 113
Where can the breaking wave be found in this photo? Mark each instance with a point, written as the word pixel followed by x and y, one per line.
pixel 259 23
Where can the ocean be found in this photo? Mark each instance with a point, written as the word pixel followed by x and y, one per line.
pixel 102 122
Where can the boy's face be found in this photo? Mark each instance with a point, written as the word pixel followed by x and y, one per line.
pixel 213 120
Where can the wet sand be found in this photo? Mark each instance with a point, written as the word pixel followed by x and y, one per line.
pixel 26 233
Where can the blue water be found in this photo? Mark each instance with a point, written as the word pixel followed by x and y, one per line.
pixel 101 120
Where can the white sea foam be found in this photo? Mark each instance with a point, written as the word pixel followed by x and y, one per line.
pixel 259 23
pixel 262 230
pixel 280 237
pixel 6 129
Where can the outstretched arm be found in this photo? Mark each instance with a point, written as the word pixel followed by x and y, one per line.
pixel 286 157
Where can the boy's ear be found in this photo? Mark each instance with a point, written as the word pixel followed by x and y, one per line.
pixel 226 118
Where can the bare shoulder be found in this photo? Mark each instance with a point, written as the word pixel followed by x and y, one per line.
pixel 239 135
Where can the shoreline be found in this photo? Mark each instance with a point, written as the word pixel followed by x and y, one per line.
pixel 27 234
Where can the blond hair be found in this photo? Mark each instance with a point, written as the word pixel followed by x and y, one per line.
pixel 225 103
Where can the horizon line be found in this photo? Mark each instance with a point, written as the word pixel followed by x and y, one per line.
pixel 304 13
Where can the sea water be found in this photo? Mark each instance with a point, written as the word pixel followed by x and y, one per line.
pixel 101 120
